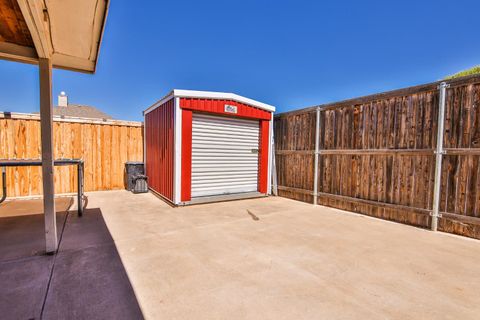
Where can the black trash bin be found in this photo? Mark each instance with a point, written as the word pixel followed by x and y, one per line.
pixel 136 180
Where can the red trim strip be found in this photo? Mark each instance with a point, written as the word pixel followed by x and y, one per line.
pixel 263 157
pixel 186 193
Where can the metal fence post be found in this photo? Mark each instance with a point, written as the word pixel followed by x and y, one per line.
pixel 317 143
pixel 274 166
pixel 439 156
pixel 80 178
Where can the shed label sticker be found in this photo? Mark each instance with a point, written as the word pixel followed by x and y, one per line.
pixel 230 109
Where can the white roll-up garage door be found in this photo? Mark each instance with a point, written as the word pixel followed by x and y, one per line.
pixel 224 155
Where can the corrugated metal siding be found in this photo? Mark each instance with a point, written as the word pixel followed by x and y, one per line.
pixel 225 155
pixel 186 155
pixel 159 143
pixel 218 107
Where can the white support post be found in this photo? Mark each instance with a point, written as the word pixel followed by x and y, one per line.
pixel 46 125
pixel 177 198
pixel 439 156
pixel 317 145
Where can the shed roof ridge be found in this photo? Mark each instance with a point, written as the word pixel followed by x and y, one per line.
pixel 182 93
pixel 222 95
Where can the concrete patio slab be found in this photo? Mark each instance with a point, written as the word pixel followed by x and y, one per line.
pixel 134 256
pixel 21 207
pixel 83 232
pixel 90 283
pixel 215 261
pixel 86 279
pixel 24 236
pixel 23 287
pixel 22 226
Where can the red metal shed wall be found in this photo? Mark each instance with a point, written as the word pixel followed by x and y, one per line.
pixel 159 148
pixel 218 106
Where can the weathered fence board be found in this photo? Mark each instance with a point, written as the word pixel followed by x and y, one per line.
pixel 104 146
pixel 376 155
pixel 296 164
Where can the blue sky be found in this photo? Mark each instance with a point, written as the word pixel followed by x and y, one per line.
pixel 291 54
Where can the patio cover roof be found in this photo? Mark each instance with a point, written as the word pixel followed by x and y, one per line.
pixel 53 34
pixel 68 32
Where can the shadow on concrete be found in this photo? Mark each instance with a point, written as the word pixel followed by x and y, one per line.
pixel 84 280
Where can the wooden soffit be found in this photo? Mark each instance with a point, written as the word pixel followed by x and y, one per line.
pixel 69 32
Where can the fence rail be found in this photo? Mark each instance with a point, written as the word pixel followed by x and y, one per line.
pixel 104 146
pixel 377 155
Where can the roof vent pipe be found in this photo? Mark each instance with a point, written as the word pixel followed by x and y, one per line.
pixel 63 99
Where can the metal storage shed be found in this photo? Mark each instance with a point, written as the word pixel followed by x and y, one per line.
pixel 208 146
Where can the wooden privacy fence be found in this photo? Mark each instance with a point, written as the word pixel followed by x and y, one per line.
pixel 376 155
pixel 105 146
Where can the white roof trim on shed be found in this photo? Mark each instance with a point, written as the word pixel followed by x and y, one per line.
pixel 210 95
